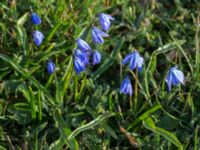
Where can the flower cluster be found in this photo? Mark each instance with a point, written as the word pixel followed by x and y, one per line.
pixel 84 52
pixel 38 38
pixel 37 35
pixel 135 61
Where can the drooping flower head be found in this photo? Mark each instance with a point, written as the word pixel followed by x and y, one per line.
pixel 174 77
pixel 96 58
pixel 97 35
pixel 79 66
pixel 35 19
pixel 104 20
pixel 50 66
pixel 83 45
pixel 126 87
pixel 135 60
pixel 38 37
pixel 82 55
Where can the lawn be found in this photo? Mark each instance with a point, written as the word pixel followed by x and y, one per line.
pixel 100 75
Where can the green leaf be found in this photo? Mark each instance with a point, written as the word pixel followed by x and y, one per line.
pixel 66 77
pixel 22 113
pixel 22 19
pixel 32 102
pixel 104 124
pixel 65 131
pixel 2 148
pixel 144 116
pixel 58 144
pixel 90 125
pixel 168 123
pixel 196 141
pixel 149 124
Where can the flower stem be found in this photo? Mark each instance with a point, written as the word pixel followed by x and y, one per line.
pixel 136 90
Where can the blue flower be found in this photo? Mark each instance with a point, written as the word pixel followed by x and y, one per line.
pixel 104 20
pixel 79 66
pixel 50 67
pixel 96 58
pixel 126 87
pixel 35 19
pixel 82 55
pixel 38 37
pixel 97 35
pixel 174 77
pixel 83 45
pixel 135 60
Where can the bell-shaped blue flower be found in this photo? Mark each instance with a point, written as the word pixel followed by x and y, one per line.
pixel 96 58
pixel 79 66
pixel 97 35
pixel 50 67
pixel 35 19
pixel 135 60
pixel 104 20
pixel 38 37
pixel 83 45
pixel 174 77
pixel 126 87
pixel 82 55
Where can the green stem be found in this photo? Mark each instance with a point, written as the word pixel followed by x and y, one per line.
pixel 136 90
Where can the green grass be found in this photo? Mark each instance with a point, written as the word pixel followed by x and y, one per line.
pixel 87 111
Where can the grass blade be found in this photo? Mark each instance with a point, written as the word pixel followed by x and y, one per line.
pixel 196 143
pixel 149 124
pixel 108 62
pixel 32 102
pixel 144 116
pixel 65 131
pixel 90 125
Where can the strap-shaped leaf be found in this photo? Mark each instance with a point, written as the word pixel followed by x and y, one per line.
pixel 149 124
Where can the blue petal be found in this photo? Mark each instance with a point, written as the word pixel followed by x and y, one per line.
pixel 140 63
pixel 38 37
pixel 97 35
pixel 83 56
pixel 100 32
pixel 109 17
pixel 79 66
pixel 97 38
pixel 123 87
pixel 130 90
pixel 50 67
pixel 83 45
pixel 105 21
pixel 105 25
pixel 126 87
pixel 127 59
pixel 96 58
pixel 134 60
pixel 169 80
pixel 179 76
pixel 175 81
pixel 35 19
pixel 174 77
